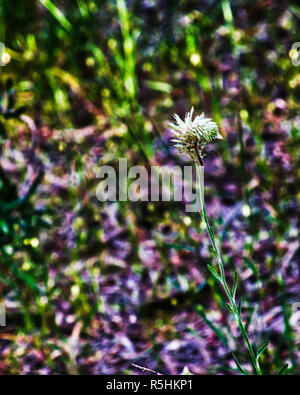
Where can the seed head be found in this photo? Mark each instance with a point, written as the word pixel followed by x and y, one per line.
pixel 193 135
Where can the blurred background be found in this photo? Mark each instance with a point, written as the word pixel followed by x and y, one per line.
pixel 93 287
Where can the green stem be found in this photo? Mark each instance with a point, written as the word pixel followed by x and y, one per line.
pixel 235 309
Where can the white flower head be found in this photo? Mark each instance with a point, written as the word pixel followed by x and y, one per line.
pixel 193 135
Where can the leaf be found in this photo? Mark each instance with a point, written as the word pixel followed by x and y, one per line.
pixel 250 311
pixel 240 306
pixel 239 366
pixel 229 308
pixel 283 369
pixel 4 227
pixel 213 252
pixel 214 273
pixel 235 281
pixel 158 86
pixel 262 348
pixel 58 15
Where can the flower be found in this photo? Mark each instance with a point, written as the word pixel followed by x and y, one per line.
pixel 193 135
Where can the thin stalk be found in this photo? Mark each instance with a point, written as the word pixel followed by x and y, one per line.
pixel 231 297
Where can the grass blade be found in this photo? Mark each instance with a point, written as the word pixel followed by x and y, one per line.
pixel 58 15
pixel 235 281
pixel 229 308
pixel 240 306
pixel 283 369
pixel 214 273
pixel 239 366
pixel 262 348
